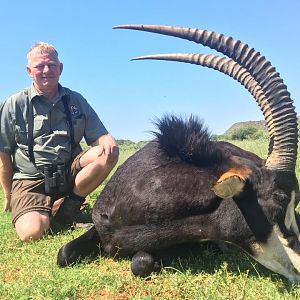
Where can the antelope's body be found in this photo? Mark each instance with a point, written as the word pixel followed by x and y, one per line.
pixel 182 187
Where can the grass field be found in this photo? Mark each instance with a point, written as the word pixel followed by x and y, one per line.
pixel 29 271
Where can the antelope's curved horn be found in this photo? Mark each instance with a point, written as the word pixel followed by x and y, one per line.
pixel 227 66
pixel 284 138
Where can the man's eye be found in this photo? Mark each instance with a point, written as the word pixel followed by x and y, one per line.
pixel 41 67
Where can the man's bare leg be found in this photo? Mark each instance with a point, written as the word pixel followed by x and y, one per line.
pixel 32 225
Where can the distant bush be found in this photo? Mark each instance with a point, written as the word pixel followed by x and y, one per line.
pixel 260 134
pixel 219 137
pixel 246 133
pixel 127 144
pixel 122 142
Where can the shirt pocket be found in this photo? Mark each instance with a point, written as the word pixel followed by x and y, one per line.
pixel 39 125
pixel 21 135
pixel 78 128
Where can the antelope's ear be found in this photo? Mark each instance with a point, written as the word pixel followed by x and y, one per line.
pixel 231 183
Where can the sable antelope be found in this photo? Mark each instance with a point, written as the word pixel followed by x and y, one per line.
pixel 183 187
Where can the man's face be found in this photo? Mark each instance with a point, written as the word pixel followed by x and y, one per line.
pixel 44 69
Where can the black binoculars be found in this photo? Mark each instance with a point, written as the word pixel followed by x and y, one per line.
pixel 55 179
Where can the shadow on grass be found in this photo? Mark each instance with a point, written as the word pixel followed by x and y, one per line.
pixel 56 227
pixel 208 258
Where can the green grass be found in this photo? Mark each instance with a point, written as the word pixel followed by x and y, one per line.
pixel 29 271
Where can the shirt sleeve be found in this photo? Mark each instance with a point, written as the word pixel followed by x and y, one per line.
pixel 7 138
pixel 94 127
pixel 87 122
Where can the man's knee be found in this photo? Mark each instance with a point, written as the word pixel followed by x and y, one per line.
pixel 97 156
pixel 32 225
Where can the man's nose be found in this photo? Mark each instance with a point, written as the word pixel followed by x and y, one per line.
pixel 46 68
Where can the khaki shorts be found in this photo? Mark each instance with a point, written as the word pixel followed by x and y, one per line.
pixel 29 194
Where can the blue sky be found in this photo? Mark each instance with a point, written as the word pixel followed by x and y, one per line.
pixel 129 95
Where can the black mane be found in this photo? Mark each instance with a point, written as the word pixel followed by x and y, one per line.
pixel 188 139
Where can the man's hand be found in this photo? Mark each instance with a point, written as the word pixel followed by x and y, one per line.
pixel 109 147
pixel 6 203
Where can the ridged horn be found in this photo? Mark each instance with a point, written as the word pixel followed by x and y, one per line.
pixel 282 115
pixel 227 66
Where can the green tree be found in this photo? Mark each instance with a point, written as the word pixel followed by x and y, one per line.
pixel 244 133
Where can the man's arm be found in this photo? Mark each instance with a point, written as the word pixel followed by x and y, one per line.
pixel 6 173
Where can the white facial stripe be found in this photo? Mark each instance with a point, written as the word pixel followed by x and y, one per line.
pixel 290 218
pixel 277 256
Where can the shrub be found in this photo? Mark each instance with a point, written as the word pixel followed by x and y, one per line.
pixel 249 132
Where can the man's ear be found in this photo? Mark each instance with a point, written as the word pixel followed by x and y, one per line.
pixel 231 183
pixel 28 69
pixel 61 67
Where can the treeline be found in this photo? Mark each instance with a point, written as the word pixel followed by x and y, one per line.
pixel 124 144
pixel 131 144
pixel 237 134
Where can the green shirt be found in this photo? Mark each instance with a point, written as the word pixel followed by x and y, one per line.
pixel 51 133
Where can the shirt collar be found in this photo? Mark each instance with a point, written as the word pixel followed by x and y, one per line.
pixel 32 92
